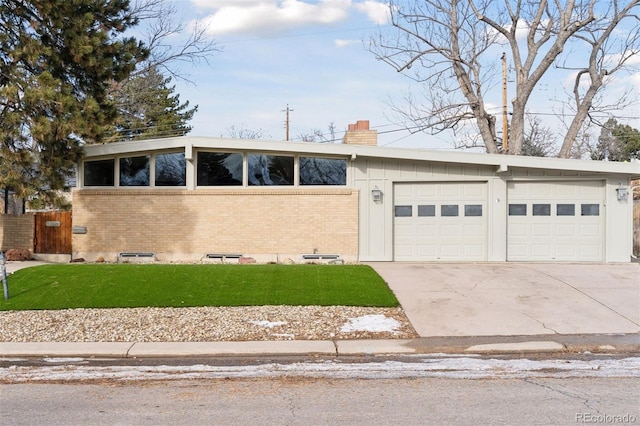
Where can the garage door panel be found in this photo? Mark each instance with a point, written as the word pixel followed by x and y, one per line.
pixel 450 231
pixel 567 230
pixel 541 250
pixel 426 229
pixel 518 230
pixel 427 250
pixel 590 230
pixel 473 190
pixel 519 250
pixel 450 190
pixel 566 251
pixel 471 250
pixel 404 249
pixel 403 192
pixel 434 236
pixel 563 234
pixel 449 251
pixel 590 251
pixel 541 230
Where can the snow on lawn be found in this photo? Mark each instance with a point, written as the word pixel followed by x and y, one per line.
pixel 373 323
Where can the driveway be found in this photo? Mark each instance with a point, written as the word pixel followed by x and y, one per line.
pixel 509 299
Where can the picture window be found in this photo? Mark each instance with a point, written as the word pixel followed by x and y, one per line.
pixel 99 172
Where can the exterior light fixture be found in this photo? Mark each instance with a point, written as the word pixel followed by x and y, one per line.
pixel 622 193
pixel 376 194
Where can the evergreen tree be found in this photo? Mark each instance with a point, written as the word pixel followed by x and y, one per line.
pixel 148 108
pixel 57 60
pixel 617 142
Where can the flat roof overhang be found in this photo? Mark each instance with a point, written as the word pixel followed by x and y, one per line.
pixel 502 162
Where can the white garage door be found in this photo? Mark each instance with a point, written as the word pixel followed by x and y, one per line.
pixel 555 221
pixel 440 221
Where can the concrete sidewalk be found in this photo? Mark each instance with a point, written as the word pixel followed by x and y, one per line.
pixel 455 308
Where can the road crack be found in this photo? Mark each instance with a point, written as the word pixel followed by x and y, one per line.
pixel 573 395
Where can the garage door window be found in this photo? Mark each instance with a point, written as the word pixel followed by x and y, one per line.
pixel 566 210
pixel 428 210
pixel 449 210
pixel 590 209
pixel 517 209
pixel 542 209
pixel 473 210
pixel 404 211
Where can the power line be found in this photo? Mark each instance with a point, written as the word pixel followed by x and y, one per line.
pixel 276 37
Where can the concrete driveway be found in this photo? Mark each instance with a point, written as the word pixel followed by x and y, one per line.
pixel 508 299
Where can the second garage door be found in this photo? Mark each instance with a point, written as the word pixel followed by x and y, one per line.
pixel 555 221
pixel 440 221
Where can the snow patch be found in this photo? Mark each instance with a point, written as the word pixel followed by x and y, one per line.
pixel 268 324
pixel 62 360
pixel 373 323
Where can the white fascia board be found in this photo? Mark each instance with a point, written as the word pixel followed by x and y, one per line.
pixel 354 151
pixel 117 148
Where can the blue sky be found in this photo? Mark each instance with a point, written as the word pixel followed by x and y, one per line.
pixel 310 55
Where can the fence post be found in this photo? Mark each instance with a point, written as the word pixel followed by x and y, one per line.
pixel 3 262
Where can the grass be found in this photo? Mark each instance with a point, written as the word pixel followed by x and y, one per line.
pixel 128 286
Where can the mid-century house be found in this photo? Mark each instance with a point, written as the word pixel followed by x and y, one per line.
pixel 195 198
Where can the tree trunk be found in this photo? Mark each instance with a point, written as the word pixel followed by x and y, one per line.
pixel 578 120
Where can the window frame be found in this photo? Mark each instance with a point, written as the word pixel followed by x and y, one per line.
pixel 114 172
pixel 244 171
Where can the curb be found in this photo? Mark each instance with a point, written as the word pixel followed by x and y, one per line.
pixel 336 348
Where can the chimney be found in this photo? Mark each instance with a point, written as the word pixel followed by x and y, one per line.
pixel 359 134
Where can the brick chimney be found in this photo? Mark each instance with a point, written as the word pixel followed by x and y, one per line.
pixel 360 134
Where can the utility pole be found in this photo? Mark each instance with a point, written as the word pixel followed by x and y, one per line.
pixel 286 122
pixel 505 123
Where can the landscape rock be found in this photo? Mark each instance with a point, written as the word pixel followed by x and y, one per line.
pixel 18 255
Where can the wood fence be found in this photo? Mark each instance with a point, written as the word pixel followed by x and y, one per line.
pixel 52 233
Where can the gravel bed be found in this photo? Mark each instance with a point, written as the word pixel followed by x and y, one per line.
pixel 206 324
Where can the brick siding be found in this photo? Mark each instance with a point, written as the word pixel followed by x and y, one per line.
pixel 184 225
pixel 16 231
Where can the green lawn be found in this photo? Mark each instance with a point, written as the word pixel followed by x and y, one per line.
pixel 126 285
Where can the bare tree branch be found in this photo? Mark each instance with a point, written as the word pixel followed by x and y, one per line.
pixel 446 45
pixel 160 26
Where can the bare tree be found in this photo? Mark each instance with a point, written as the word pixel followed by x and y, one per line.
pixel 539 141
pixel 160 26
pixel 241 132
pixel 606 57
pixel 318 135
pixel 451 41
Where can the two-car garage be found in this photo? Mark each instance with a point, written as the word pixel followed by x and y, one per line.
pixel 545 220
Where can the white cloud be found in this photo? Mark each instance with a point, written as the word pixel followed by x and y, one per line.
pixel 269 17
pixel 376 12
pixel 346 43
pixel 277 16
pixel 217 4
pixel 635 82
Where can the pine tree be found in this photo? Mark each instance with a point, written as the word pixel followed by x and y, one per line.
pixel 57 60
pixel 148 108
pixel 617 142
